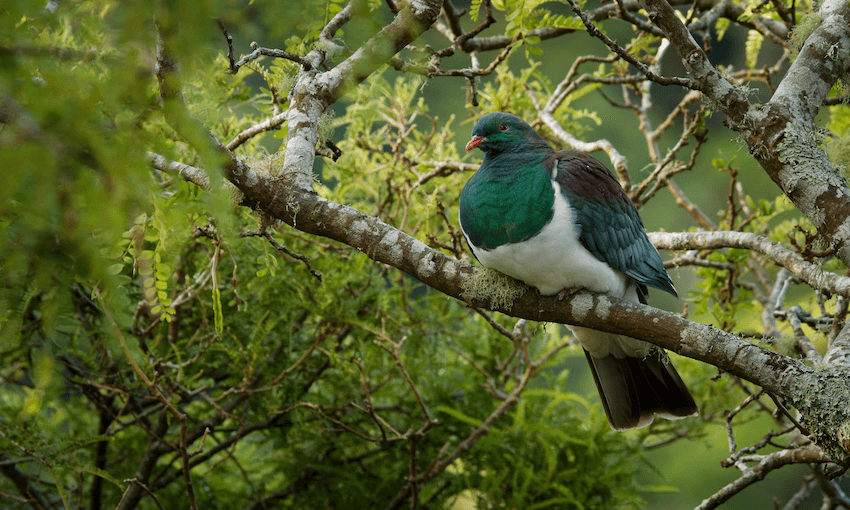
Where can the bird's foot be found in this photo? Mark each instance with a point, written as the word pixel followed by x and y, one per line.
pixel 565 293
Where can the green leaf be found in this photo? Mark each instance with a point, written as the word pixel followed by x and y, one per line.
pixel 721 26
pixel 94 470
pixel 63 495
pixel 474 9
pixel 219 316
pixel 753 46
pixel 534 50
pixel 456 414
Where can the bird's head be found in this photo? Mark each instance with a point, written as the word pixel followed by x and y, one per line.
pixel 502 132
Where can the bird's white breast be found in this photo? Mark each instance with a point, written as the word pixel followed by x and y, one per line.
pixel 554 259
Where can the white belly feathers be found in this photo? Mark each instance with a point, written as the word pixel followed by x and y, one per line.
pixel 554 259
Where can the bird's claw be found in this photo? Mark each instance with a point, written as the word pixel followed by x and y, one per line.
pixel 565 293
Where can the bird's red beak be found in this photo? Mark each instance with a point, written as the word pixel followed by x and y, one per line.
pixel 475 142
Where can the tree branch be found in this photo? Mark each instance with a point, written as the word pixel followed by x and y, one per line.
pixel 810 273
pixel 781 135
pixel 758 472
pixel 824 411
pixel 314 91
pixel 188 172
pixel 625 55
pixel 259 51
pixel 618 161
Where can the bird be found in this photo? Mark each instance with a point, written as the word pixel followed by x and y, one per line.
pixel 560 222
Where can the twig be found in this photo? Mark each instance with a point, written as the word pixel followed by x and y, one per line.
pixel 832 494
pixel 299 361
pixel 616 48
pixel 691 259
pixel 246 134
pixel 757 473
pixel 341 18
pixel 259 51
pixel 779 405
pixel 838 353
pixel 297 256
pixel 812 274
pixel 492 322
pixel 806 318
pixel 187 172
pixel 794 314
pixel 471 72
pixel 22 482
pixel 783 283
pixel 729 415
pixel 370 408
pixel 283 249
pixel 134 481
pixel 453 17
pixel 413 473
pixel 667 167
pixel 801 495
pixel 491 387
pixel 688 205
pixel 769 303
pixel 395 353
pixel 617 159
pixel 229 39
pixel 336 152
pixel 839 316
pixel 627 16
pixel 319 411
pixel 461 39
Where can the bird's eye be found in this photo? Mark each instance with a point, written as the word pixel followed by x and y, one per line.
pixel 503 127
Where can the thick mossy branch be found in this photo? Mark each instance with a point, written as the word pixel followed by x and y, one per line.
pixel 822 404
pixel 803 149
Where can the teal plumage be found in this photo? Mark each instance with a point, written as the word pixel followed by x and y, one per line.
pixel 559 220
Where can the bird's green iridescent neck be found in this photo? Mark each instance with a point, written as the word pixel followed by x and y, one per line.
pixel 508 200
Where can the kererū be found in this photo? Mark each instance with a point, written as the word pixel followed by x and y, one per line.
pixel 559 220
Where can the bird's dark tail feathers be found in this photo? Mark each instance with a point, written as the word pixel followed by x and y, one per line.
pixel 633 390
